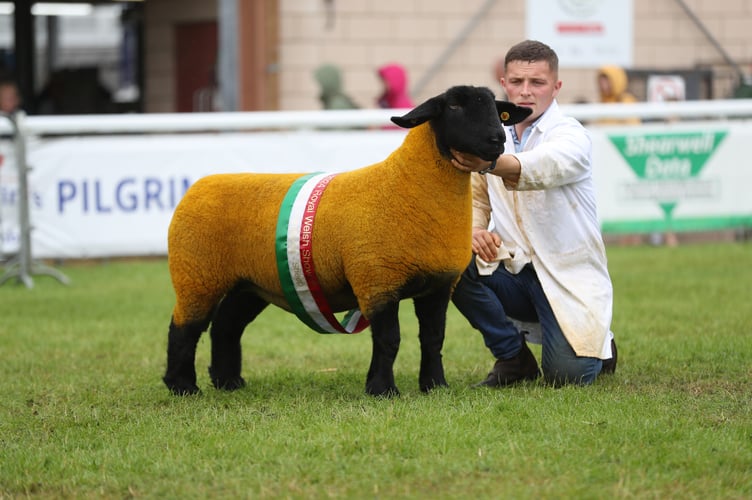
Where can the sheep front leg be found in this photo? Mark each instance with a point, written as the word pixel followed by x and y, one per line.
pixel 180 376
pixel 431 313
pixel 385 332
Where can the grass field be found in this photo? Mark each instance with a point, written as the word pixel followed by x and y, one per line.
pixel 84 414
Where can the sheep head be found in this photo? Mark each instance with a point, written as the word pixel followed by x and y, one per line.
pixel 466 118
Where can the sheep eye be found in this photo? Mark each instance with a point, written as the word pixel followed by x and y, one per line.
pixel 454 106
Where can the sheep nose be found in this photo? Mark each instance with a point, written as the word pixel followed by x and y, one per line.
pixel 499 138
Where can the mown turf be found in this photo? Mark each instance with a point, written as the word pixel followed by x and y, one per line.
pixel 83 412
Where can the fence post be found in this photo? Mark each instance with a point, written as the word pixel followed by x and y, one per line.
pixel 23 266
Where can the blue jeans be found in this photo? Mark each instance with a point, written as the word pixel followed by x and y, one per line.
pixel 488 301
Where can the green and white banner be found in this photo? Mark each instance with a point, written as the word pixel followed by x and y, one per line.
pixel 673 177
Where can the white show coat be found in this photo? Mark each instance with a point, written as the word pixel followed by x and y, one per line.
pixel 549 218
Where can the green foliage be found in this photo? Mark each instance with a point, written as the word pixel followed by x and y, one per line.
pixel 83 412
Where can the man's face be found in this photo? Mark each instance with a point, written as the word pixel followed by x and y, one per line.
pixel 532 85
pixel 604 84
pixel 9 99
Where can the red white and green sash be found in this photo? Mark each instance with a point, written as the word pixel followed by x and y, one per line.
pixel 294 250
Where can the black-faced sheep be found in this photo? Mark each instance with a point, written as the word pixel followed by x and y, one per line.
pixel 397 229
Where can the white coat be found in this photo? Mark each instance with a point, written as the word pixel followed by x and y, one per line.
pixel 549 218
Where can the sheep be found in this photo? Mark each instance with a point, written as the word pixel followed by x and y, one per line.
pixel 394 230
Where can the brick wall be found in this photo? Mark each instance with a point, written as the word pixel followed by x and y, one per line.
pixel 360 35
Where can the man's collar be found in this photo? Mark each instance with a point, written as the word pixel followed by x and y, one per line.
pixel 540 121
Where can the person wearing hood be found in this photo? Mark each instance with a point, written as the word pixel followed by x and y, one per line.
pixel 612 85
pixel 395 94
pixel 332 94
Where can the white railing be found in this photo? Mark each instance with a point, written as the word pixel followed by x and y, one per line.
pixel 265 120
pixel 683 110
pixel 22 127
pixel 203 122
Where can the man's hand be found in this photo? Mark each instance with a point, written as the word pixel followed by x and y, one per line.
pixel 485 243
pixel 467 162
pixel 507 166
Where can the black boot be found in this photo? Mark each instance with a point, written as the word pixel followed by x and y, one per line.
pixel 609 365
pixel 509 371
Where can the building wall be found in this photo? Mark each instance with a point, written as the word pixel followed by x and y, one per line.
pixel 161 17
pixel 360 35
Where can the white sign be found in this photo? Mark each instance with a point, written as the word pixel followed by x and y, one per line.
pixel 584 33
pixel 9 216
pixel 672 177
pixel 662 88
pixel 114 196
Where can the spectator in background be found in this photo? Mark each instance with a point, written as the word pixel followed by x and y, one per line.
pixel 332 94
pixel 10 97
pixel 75 91
pixel 744 89
pixel 612 86
pixel 395 94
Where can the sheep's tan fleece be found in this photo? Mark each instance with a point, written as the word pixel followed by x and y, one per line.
pixel 377 228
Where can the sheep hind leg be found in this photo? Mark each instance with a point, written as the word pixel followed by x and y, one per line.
pixel 431 313
pixel 236 310
pixel 180 376
pixel 385 332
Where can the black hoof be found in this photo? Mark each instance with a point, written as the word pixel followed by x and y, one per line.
pixel 229 385
pixel 226 384
pixel 383 392
pixel 181 388
pixel 433 385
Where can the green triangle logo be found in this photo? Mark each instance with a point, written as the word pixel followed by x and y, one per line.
pixel 667 156
pixel 667 165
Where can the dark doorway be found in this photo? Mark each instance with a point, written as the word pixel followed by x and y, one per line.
pixel 196 59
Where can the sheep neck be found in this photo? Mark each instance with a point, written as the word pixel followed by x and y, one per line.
pixel 421 163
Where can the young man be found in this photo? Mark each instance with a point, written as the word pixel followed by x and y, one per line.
pixel 538 251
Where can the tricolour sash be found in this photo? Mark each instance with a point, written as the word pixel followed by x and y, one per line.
pixel 294 249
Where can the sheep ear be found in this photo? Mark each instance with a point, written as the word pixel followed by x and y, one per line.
pixel 511 113
pixel 424 112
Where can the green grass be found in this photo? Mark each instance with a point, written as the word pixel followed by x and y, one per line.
pixel 84 414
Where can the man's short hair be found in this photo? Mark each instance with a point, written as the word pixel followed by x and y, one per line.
pixel 531 51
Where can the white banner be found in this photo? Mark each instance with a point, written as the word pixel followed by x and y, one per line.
pixel 9 233
pixel 674 177
pixel 114 196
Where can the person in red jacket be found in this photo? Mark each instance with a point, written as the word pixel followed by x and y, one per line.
pixel 396 94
